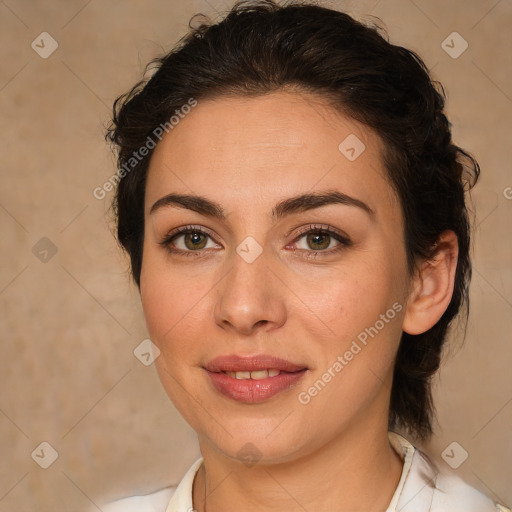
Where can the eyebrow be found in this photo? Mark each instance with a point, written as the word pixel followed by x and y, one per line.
pixel 295 204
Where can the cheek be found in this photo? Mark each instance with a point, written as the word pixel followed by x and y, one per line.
pixel 363 311
pixel 355 299
pixel 174 309
pixel 173 312
pixel 174 304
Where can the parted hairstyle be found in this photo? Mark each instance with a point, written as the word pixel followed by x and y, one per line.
pixel 260 47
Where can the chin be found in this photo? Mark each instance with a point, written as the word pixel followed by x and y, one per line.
pixel 251 440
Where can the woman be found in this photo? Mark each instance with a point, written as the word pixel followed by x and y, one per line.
pixel 293 208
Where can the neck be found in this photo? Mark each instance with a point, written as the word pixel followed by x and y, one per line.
pixel 357 471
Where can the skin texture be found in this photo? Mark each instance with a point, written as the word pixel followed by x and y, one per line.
pixel 247 154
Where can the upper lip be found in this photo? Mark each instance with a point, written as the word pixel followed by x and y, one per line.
pixel 236 363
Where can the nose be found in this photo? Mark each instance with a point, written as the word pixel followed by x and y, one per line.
pixel 250 297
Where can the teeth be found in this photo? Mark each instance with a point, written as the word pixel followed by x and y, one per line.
pixel 259 374
pixel 256 375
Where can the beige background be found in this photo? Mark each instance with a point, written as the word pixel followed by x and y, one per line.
pixel 69 325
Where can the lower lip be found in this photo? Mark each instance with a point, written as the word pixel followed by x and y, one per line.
pixel 251 391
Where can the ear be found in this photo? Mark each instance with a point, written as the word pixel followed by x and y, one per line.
pixel 432 286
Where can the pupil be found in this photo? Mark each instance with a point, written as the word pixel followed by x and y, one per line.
pixel 193 241
pixel 319 239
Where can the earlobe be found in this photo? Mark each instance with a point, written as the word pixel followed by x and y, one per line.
pixel 432 289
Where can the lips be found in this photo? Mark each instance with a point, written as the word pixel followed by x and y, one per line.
pixel 253 379
pixel 235 363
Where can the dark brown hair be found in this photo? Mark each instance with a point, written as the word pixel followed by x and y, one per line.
pixel 260 47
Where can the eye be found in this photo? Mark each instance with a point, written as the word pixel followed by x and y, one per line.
pixel 317 241
pixel 188 239
pixel 320 239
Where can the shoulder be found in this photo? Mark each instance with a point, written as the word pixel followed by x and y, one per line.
pixel 427 487
pixel 449 492
pixel 454 494
pixel 169 498
pixel 154 502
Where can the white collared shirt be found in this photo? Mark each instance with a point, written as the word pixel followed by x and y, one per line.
pixel 422 488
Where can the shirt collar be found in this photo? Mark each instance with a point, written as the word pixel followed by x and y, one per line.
pixel 415 488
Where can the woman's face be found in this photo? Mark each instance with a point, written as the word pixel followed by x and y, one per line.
pixel 293 261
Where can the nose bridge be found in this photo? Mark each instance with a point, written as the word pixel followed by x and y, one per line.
pixel 248 296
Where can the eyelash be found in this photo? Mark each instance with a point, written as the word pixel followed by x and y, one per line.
pixel 322 229
pixel 184 230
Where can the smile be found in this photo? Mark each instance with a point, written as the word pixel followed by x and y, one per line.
pixel 255 375
pixel 253 379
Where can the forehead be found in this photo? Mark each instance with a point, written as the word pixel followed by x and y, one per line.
pixel 242 149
